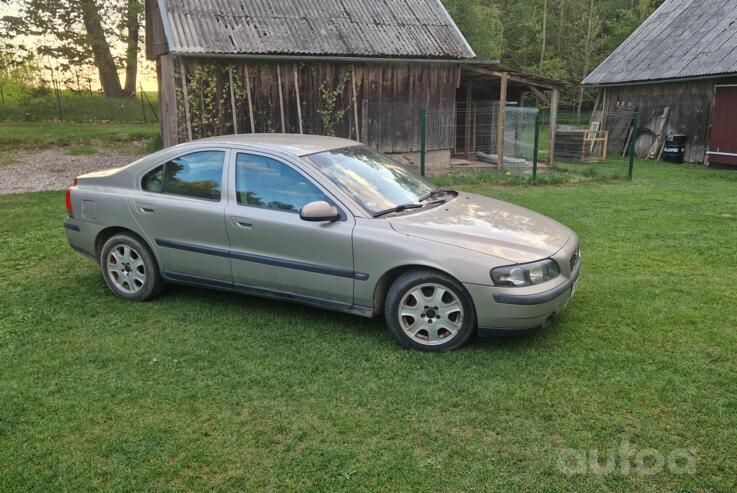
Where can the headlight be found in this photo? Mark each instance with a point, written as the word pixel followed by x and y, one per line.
pixel 525 275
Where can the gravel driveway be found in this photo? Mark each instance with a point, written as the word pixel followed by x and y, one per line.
pixel 54 169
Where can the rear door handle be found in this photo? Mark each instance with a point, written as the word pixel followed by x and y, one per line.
pixel 241 223
pixel 145 208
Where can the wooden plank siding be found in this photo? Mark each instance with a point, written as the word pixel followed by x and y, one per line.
pixel 690 104
pixel 395 92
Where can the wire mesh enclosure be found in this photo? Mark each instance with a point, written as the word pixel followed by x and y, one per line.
pixel 474 136
pixel 593 146
pixel 472 142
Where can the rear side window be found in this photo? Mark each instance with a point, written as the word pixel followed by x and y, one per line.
pixel 197 175
pixel 154 180
pixel 264 182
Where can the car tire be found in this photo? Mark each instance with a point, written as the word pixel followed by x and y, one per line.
pixel 429 311
pixel 129 268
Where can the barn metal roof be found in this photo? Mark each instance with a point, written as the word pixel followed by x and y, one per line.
pixel 364 28
pixel 682 39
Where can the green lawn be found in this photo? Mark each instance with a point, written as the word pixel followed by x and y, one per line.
pixel 208 390
pixel 20 135
pixel 29 120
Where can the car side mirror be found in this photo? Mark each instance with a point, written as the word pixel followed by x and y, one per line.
pixel 319 211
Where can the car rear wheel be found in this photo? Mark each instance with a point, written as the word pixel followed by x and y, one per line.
pixel 129 268
pixel 429 311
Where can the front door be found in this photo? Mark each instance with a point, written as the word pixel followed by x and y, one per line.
pixel 181 208
pixel 723 142
pixel 272 249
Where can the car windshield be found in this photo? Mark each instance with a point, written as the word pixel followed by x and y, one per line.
pixel 373 180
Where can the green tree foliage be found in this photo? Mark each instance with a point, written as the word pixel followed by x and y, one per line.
pixel 16 69
pixel 579 34
pixel 481 24
pixel 78 33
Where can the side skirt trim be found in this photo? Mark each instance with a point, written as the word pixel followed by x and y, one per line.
pixel 196 280
pixel 176 277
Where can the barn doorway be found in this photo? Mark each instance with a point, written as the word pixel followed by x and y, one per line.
pixel 723 141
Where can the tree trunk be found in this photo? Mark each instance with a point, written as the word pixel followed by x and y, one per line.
pixel 545 31
pixel 131 54
pixel 104 61
pixel 561 16
pixel 588 51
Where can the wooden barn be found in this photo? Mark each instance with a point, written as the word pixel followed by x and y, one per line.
pixel 680 68
pixel 355 68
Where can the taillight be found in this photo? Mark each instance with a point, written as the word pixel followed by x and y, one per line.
pixel 68 198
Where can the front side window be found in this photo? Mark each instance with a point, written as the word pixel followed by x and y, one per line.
pixel 197 175
pixel 375 181
pixel 264 182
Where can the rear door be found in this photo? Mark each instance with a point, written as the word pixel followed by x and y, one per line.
pixel 273 249
pixel 181 208
pixel 723 142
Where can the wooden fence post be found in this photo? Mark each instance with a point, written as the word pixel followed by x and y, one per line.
pixel 553 124
pixel 183 72
pixel 281 100
pixel 355 99
pixel 232 100
pixel 501 120
pixel 250 103
pixel 364 121
pixel 296 91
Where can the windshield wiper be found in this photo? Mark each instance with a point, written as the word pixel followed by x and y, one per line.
pixel 437 191
pixel 398 208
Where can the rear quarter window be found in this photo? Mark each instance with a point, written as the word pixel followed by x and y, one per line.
pixel 153 181
pixel 197 175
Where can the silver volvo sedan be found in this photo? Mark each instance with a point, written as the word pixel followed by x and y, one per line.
pixel 330 223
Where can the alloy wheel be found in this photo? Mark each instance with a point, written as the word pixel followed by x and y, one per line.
pixel 126 269
pixel 431 314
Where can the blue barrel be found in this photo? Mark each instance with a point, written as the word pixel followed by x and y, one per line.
pixel 675 148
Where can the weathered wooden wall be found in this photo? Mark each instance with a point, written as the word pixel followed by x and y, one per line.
pixel 388 120
pixel 156 44
pixel 690 106
pixel 167 100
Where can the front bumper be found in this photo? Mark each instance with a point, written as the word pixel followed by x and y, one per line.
pixel 502 311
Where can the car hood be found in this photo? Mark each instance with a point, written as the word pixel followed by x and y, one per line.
pixel 487 226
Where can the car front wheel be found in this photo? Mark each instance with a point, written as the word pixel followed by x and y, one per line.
pixel 129 268
pixel 429 311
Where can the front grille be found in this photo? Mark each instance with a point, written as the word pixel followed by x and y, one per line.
pixel 574 258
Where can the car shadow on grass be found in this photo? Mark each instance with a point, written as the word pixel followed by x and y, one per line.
pixel 277 308
pixel 374 329
pixel 283 313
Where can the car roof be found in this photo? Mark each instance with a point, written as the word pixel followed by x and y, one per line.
pixel 297 144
